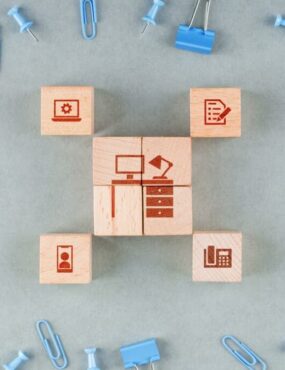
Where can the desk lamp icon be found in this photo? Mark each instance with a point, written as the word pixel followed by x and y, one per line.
pixel 157 162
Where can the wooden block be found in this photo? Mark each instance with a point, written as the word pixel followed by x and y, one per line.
pixel 67 110
pixel 117 210
pixel 66 259
pixel 167 210
pixel 167 158
pixel 117 160
pixel 217 256
pixel 215 112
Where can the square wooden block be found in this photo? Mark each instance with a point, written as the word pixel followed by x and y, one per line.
pixel 167 210
pixel 215 112
pixel 217 256
pixel 66 259
pixel 168 160
pixel 117 210
pixel 67 110
pixel 117 161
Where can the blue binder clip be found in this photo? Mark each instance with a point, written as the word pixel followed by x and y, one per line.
pixel 140 353
pixel 249 359
pixel 199 40
pixel 88 13
pixel 52 345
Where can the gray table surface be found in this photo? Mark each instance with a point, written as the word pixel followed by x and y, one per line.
pixel 143 287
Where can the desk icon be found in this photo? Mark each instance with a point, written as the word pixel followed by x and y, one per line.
pixel 159 199
pixel 215 112
pixel 217 258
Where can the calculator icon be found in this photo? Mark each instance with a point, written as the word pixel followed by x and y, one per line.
pixel 217 258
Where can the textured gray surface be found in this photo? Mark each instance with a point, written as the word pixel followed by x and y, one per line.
pixel 142 287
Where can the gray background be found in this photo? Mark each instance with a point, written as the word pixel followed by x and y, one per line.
pixel 143 287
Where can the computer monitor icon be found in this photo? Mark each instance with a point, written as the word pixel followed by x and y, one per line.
pixel 129 165
pixel 66 110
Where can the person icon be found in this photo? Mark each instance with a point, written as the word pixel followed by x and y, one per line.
pixel 64 258
pixel 64 264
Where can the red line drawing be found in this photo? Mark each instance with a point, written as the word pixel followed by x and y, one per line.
pixel 157 162
pixel 158 182
pixel 159 201
pixel 124 165
pixel 159 212
pixel 113 201
pixel 159 190
pixel 217 258
pixel 64 258
pixel 215 112
pixel 66 110
pixel 131 165
pixel 126 182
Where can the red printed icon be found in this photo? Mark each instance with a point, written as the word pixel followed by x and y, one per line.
pixel 159 198
pixel 66 111
pixel 129 165
pixel 215 112
pixel 157 163
pixel 159 201
pixel 65 258
pixel 217 258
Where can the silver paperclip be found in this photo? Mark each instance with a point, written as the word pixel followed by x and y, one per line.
pixel 52 345
pixel 249 360
pixel 88 12
pixel 206 17
pixel 151 366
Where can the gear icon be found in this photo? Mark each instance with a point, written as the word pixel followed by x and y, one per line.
pixel 66 108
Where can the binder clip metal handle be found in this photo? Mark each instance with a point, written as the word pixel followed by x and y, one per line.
pixel 151 366
pixel 88 13
pixel 252 358
pixel 199 40
pixel 52 345
pixel 207 14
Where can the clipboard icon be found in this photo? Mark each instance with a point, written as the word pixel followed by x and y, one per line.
pixel 215 112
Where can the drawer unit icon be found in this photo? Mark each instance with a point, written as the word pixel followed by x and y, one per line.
pixel 159 201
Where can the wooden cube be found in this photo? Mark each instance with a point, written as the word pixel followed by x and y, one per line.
pixel 167 210
pixel 67 110
pixel 215 112
pixel 117 210
pixel 117 161
pixel 168 160
pixel 65 259
pixel 217 256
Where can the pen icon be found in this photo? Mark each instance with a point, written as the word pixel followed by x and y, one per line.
pixel 224 114
pixel 215 112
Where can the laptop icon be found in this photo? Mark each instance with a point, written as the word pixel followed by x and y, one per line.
pixel 66 111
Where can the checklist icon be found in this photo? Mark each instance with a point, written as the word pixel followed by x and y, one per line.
pixel 216 112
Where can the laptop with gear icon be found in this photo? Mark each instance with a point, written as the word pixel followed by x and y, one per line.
pixel 66 111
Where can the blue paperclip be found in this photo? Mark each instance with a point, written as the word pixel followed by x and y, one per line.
pixel 88 12
pixel 198 40
pixel 55 351
pixel 252 358
pixel 140 353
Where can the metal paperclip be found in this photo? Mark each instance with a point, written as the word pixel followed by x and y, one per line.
pixel 88 12
pixel 55 352
pixel 252 358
